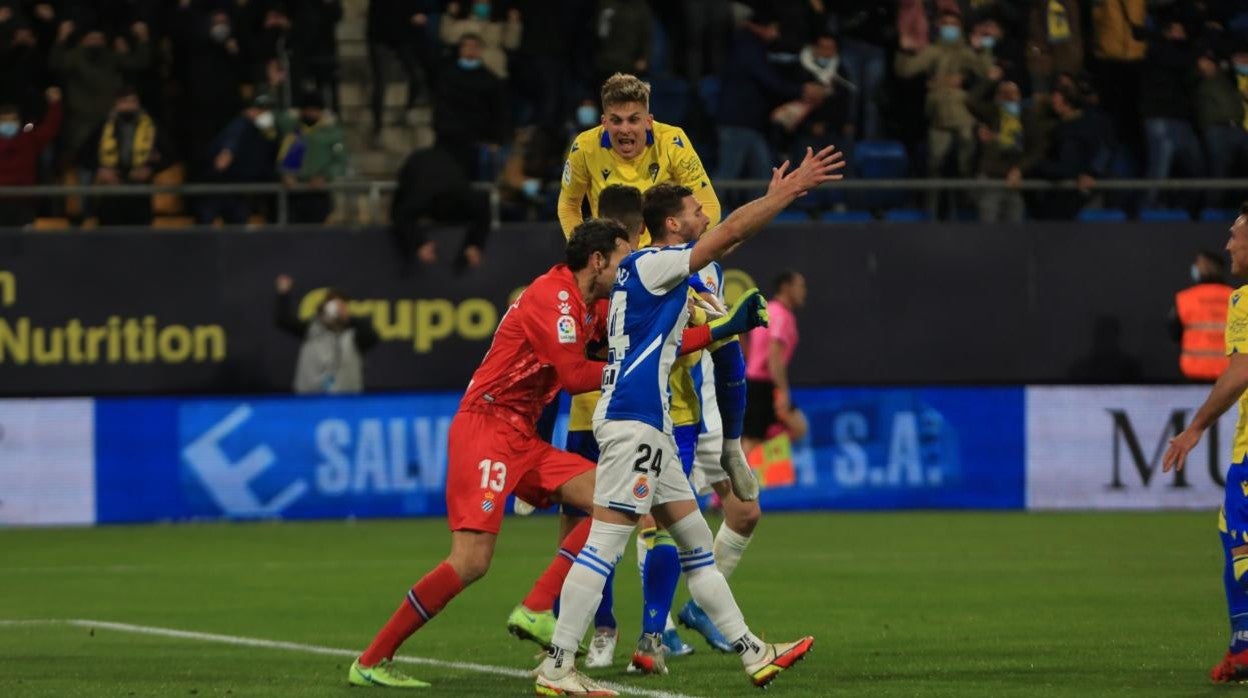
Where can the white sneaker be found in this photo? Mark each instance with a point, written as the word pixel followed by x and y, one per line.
pixel 602 648
pixel 523 508
pixel 733 461
pixel 573 683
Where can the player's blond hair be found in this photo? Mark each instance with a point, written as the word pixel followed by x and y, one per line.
pixel 623 88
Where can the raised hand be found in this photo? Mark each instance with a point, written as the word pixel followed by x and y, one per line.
pixel 815 169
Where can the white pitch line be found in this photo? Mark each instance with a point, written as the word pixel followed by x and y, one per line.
pixel 240 641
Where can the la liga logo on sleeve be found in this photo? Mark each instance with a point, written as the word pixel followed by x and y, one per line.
pixel 565 327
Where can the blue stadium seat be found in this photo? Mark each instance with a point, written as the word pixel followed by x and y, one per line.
pixel 1164 215
pixel 708 92
pixel 881 160
pixel 1102 215
pixel 1218 215
pixel 669 100
pixel 906 215
pixel 846 217
pixel 793 215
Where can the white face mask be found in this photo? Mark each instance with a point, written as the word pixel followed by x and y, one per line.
pixel 265 121
pixel 1195 274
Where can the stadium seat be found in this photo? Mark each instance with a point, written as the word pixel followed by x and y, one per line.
pixel 845 217
pixel 708 92
pixel 669 100
pixel 906 215
pixel 793 215
pixel 1102 215
pixel 1218 215
pixel 881 160
pixel 1164 215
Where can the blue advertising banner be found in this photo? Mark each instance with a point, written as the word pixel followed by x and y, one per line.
pixel 376 456
pixel 331 457
pixel 892 448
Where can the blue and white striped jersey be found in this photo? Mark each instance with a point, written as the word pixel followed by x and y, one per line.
pixel 648 313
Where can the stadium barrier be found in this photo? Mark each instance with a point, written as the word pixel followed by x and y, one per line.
pixel 191 312
pixel 115 460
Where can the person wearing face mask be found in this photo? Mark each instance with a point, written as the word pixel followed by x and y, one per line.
pixel 497 36
pixel 331 357
pixel 1220 114
pixel 20 146
pixel 470 112
pixel 126 148
pixel 245 151
pixel 93 73
pixel 950 64
pixel 209 56
pixel 312 152
pixel 1197 321
pixel 833 118
pixel 1007 149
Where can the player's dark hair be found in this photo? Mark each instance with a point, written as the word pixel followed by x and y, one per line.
pixel 1214 260
pixel 1243 209
pixel 622 203
pixel 784 278
pixel 6 108
pixel 594 235
pixel 660 202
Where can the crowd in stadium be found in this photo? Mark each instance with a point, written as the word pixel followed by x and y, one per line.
pixel 246 90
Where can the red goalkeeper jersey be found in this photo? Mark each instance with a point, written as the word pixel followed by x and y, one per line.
pixel 538 348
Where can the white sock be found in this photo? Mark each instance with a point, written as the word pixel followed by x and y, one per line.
pixel 729 547
pixel 671 625
pixel 709 588
pixel 642 550
pixel 582 592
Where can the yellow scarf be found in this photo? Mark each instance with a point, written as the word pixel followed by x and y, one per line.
pixel 1010 136
pixel 1241 81
pixel 1059 24
pixel 144 141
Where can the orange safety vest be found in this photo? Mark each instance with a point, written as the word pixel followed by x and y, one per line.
pixel 1202 310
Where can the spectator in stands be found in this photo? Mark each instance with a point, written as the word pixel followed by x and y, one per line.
pixel 706 37
pixel 129 147
pixel 1119 52
pixel 313 153
pixel 331 358
pixel 1166 106
pixel 540 72
pixel 23 69
pixel 434 188
pixel 1075 152
pixel 948 64
pixel 865 28
pixel 314 47
pixel 1006 51
pixel 210 65
pixel 1054 41
pixel 92 73
pixel 244 152
pixel 622 30
pixel 1003 153
pixel 831 120
pixel 1220 114
pixel 470 113
pixel 401 27
pixel 751 88
pixel 20 145
pixel 496 36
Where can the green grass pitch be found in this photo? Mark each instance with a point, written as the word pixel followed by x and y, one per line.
pixel 914 604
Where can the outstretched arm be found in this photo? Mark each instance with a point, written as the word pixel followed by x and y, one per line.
pixel 786 187
pixel 1230 386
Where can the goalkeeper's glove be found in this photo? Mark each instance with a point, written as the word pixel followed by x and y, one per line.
pixel 749 312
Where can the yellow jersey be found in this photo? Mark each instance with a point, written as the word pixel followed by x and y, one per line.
pixel 1237 343
pixel 593 165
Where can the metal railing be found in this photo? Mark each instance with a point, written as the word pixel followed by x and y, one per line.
pixel 375 190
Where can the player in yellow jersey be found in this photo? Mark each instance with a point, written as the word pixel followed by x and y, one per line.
pixel 1233 519
pixel 630 148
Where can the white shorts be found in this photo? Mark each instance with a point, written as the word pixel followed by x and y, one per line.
pixel 638 467
pixel 706 468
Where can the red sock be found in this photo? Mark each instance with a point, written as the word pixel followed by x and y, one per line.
pixel 423 602
pixel 548 586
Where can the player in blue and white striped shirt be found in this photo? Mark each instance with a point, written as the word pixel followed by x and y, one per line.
pixel 639 465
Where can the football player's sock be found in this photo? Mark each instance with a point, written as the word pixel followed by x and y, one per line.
pixel 429 596
pixel 582 591
pixel 709 588
pixel 546 590
pixel 1235 580
pixel 730 387
pixel 604 617
pixel 658 585
pixel 729 547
